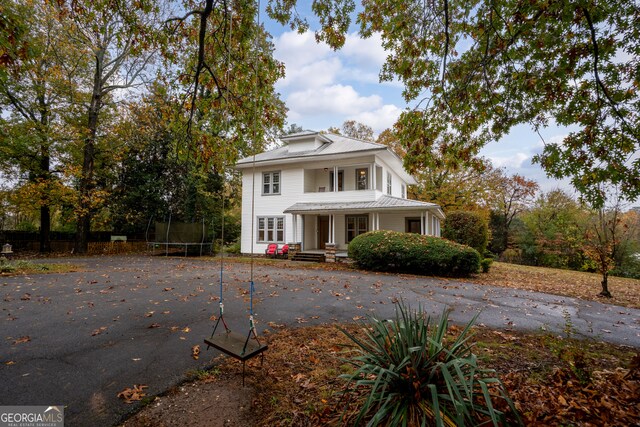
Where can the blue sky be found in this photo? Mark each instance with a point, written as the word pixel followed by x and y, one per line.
pixel 324 88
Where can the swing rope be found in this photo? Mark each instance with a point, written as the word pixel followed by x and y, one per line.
pixel 230 343
pixel 252 327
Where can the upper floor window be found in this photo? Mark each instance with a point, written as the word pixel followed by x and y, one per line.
pixel 271 182
pixel 362 178
pixel 403 190
pixel 388 183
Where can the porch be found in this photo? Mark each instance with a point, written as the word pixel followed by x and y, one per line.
pixel 329 227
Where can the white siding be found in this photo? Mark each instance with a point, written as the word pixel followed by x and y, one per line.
pixel 300 185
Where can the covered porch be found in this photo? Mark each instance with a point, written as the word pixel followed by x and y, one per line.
pixel 329 227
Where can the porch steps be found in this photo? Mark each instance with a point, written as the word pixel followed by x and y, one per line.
pixel 308 256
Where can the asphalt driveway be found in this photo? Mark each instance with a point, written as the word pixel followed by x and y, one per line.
pixel 77 339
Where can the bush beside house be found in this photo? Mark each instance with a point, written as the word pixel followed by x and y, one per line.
pixel 413 253
pixel 467 228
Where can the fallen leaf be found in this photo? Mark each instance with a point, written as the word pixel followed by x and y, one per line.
pixel 26 297
pixel 195 352
pixel 130 395
pixel 148 314
pixel 98 331
pixel 154 325
pixel 22 340
pixel 186 329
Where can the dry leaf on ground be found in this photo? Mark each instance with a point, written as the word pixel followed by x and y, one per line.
pixel 130 395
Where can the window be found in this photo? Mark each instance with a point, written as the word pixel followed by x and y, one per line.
pixel 271 182
pixel 340 180
pixel 403 190
pixel 388 183
pixel 271 229
pixel 356 225
pixel 413 225
pixel 362 178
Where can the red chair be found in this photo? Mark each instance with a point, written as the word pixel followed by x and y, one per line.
pixel 283 252
pixel 272 250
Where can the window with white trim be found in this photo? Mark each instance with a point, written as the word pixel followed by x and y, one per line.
pixel 270 229
pixel 362 178
pixel 388 183
pixel 271 182
pixel 356 224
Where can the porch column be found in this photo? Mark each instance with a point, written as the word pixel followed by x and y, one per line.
pixel 335 178
pixel 422 223
pixel 332 229
pixel 294 223
pixel 372 169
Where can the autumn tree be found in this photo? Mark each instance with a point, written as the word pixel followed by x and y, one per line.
pixel 390 139
pixel 553 236
pixel 120 38
pixel 35 93
pixel 227 75
pixel 475 70
pixel 510 195
pixel 606 236
pixel 354 129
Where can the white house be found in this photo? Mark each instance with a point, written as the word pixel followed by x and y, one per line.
pixel 321 190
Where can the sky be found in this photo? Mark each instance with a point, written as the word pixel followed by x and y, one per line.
pixel 324 88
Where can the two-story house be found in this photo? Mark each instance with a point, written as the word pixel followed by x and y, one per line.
pixel 321 190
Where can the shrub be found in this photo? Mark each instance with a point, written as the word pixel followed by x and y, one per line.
pixel 467 228
pixel 413 253
pixel 412 375
pixel 485 264
pixel 233 248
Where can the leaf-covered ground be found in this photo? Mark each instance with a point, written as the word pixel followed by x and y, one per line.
pixel 626 292
pixel 552 380
pixel 578 284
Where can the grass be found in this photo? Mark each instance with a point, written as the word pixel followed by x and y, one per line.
pixel 17 267
pixel 577 284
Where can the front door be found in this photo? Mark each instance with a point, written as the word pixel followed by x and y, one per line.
pixel 323 231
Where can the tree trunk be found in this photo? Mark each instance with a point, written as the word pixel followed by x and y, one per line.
pixel 86 186
pixel 605 286
pixel 45 212
pixel 84 208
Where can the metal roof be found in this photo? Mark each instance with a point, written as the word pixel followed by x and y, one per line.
pixel 337 144
pixel 383 203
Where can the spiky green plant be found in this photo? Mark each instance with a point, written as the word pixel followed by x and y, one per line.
pixel 412 375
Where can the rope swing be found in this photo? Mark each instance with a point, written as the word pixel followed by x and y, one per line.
pixel 238 346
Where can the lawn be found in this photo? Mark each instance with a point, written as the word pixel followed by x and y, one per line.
pixel 626 292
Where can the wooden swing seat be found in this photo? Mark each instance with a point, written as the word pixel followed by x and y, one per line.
pixel 232 344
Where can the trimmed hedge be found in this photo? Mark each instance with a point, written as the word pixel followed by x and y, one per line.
pixel 413 253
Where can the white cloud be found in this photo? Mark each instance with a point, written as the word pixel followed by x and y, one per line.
pixel 367 52
pixel 315 74
pixel 335 99
pixel 514 161
pixel 379 119
pixel 295 49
